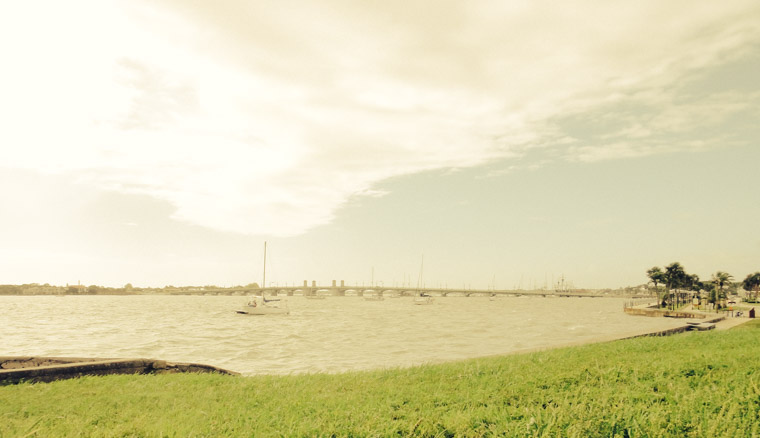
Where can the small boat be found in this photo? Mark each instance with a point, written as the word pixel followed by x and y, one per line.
pixel 423 300
pixel 259 305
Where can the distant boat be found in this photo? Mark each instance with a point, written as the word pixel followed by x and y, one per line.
pixel 421 298
pixel 259 304
pixel 562 286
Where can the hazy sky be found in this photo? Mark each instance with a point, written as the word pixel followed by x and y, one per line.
pixel 162 142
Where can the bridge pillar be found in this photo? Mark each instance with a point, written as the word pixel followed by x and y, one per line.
pixel 313 283
pixel 305 283
pixel 343 283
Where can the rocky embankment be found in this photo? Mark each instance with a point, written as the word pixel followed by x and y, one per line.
pixel 14 369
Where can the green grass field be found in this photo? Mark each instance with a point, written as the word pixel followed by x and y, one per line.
pixel 702 384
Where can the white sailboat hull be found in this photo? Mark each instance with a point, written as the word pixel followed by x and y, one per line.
pixel 257 305
pixel 248 310
pixel 422 301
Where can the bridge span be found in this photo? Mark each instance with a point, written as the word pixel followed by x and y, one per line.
pixel 361 290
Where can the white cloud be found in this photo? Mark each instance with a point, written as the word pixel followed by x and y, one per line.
pixel 266 119
pixel 665 122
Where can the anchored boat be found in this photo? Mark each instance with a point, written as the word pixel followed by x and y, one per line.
pixel 260 305
pixel 421 298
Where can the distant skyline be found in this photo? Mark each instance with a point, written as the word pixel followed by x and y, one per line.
pixel 510 143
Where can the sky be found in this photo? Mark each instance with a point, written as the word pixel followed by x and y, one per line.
pixel 504 144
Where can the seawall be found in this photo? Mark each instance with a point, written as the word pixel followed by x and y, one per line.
pixel 665 313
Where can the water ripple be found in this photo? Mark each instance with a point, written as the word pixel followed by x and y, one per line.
pixel 333 335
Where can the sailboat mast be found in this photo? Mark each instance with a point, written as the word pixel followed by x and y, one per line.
pixel 419 279
pixel 264 282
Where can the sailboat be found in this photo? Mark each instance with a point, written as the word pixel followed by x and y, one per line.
pixel 562 286
pixel 421 298
pixel 259 304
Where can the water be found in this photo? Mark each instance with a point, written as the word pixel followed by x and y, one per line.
pixel 332 335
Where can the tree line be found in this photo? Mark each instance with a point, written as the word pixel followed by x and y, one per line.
pixel 679 286
pixel 47 289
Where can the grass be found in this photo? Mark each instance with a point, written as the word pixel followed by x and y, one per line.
pixel 696 384
pixel 749 325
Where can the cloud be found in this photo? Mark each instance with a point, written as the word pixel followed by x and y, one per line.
pixel 267 118
pixel 665 122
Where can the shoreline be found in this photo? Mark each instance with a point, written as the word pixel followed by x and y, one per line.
pixel 36 369
pixel 720 322
pixel 531 325
pixel 681 386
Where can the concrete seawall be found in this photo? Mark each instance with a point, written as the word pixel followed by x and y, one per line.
pixel 665 313
pixel 705 325
pixel 47 369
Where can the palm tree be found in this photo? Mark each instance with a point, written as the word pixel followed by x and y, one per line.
pixel 720 279
pixel 752 284
pixel 674 278
pixel 656 276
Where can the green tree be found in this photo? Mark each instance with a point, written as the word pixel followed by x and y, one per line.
pixel 656 276
pixel 752 285
pixel 720 279
pixel 691 282
pixel 675 277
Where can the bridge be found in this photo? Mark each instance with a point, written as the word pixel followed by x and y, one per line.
pixel 341 290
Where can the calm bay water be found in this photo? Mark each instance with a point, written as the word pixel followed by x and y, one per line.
pixel 331 335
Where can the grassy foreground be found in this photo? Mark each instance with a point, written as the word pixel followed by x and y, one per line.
pixel 695 384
